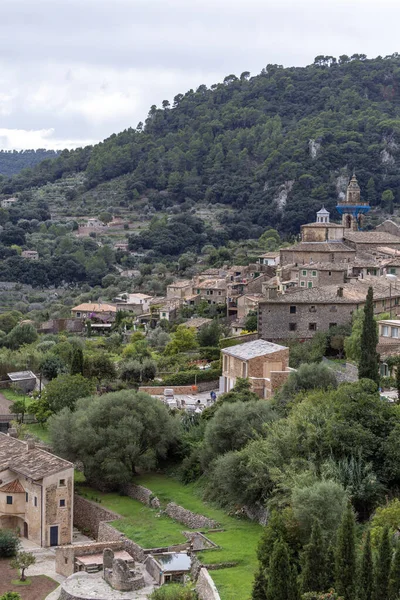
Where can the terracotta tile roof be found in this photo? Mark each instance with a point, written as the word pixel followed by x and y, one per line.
pixel 319 247
pixel 371 237
pixel 35 463
pixel 13 487
pixel 91 307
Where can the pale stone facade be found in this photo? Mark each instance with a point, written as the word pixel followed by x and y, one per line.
pixel 36 493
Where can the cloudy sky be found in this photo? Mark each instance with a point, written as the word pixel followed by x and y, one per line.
pixel 74 71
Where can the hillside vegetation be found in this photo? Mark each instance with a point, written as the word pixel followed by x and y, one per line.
pixel 274 146
pixel 13 161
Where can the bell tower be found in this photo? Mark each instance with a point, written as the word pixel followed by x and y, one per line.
pixel 352 208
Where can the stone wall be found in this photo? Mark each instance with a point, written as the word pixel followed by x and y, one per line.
pixel 205 586
pixel 188 518
pixel 108 533
pixel 158 390
pixel 141 493
pixel 88 515
pixel 65 555
pixel 256 513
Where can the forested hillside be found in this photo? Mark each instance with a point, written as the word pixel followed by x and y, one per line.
pixel 273 147
pixel 13 161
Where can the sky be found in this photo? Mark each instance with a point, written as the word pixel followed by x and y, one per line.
pixel 72 72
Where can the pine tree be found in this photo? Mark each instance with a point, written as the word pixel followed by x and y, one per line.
pixel 77 362
pixel 366 575
pixel 383 564
pixel 394 582
pixel 368 366
pixel 346 556
pixel 281 580
pixel 313 576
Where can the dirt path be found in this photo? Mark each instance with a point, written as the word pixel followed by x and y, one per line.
pixel 38 590
pixel 4 405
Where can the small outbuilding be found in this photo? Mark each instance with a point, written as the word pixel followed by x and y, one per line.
pixel 168 567
pixel 24 380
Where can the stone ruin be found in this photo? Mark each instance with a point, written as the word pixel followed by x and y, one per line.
pixel 118 575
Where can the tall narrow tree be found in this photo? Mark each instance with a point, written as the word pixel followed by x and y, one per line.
pixel 346 556
pixel 259 591
pixel 366 574
pixel 313 575
pixel 281 582
pixel 383 564
pixel 77 361
pixel 394 583
pixel 368 366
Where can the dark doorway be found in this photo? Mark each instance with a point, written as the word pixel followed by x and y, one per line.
pixel 25 529
pixel 54 535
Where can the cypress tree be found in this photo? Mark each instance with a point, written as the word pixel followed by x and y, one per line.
pixel 259 591
pixel 345 557
pixel 394 582
pixel 366 575
pixel 330 567
pixel 371 191
pixel 313 576
pixel 368 366
pixel 77 362
pixel 398 382
pixel 281 577
pixel 383 564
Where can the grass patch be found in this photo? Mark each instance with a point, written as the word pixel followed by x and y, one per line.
pixel 13 395
pixel 238 542
pixel 19 582
pixel 39 431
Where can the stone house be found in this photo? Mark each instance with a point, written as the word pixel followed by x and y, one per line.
pixel 8 202
pixel 265 364
pixel 328 252
pixel 247 303
pixel 180 289
pixel 369 241
pixel 269 258
pixel 87 310
pixel 315 275
pixel 36 492
pixel 137 303
pixel 211 290
pixel 30 254
pixel 300 314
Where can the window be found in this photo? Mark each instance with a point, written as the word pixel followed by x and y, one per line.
pixel 219 293
pixel 312 326
pixel 62 502
pixel 304 273
pixel 332 325
pixel 302 283
pixel 292 326
pixel 26 496
pixel 9 500
pixel 292 310
pixel 330 273
pixel 385 330
pixel 164 314
pixel 78 314
pixel 225 363
pixel 35 501
pixel 198 291
pixel 309 285
pixel 61 483
pixel 313 273
pixel 395 332
pixel 313 309
pixel 211 292
pixel 333 309
pixel 392 271
pixel 244 370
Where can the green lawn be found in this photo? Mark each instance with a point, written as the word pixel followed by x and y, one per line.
pixel 238 542
pixel 13 396
pixel 39 431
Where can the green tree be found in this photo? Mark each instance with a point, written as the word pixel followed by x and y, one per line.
pixel 20 335
pixel 322 501
pixel 382 567
pixel 9 320
pixel 22 561
pixel 371 191
pixel 113 434
pixel 209 334
pixel 346 556
pixel 106 217
pixel 183 340
pixel 10 596
pixel 51 366
pixel 394 582
pixel 9 543
pixel 64 391
pixel 352 343
pixel 76 361
pixel 251 323
pixel 259 590
pixel 387 200
pixel 398 382
pixel 100 366
pixel 281 582
pixel 313 574
pixel 366 572
pixel 369 365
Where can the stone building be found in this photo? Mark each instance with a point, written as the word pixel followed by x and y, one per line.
pixel 266 365
pixel 300 314
pixel 36 492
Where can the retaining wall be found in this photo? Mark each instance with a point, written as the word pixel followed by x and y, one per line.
pixel 188 518
pixel 65 555
pixel 205 586
pixel 142 494
pixel 108 533
pixel 180 390
pixel 88 515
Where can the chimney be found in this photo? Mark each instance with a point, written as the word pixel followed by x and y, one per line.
pixel 12 432
pixel 340 292
pixel 30 444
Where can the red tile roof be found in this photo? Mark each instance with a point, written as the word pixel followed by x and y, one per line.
pixel 13 487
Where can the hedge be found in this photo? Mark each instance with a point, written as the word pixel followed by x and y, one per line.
pixel 209 352
pixel 189 377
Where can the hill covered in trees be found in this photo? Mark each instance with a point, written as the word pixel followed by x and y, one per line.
pixel 272 147
pixel 13 161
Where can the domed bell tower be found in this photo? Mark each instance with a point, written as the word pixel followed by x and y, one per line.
pixel 352 208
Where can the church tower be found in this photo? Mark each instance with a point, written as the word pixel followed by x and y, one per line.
pixel 352 208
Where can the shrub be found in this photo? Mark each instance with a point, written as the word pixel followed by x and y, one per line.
pixel 209 353
pixel 9 543
pixel 173 592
